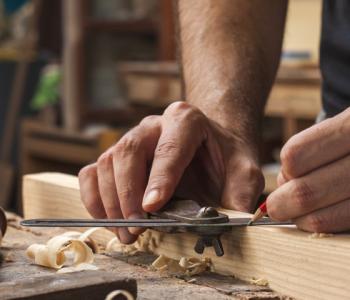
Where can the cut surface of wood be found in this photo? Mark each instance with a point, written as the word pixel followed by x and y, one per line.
pixel 294 263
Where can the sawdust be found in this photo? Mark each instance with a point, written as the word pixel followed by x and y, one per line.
pixel 146 242
pixel 260 281
pixel 185 266
pixel 317 235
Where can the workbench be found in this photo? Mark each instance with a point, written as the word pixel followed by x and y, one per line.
pixel 150 284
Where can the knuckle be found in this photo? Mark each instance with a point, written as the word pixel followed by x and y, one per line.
pixel 129 144
pixel 87 171
pixel 289 155
pixel 105 160
pixel 315 223
pixel 177 107
pixel 125 193
pixel 165 149
pixel 163 180
pixel 184 112
pixel 303 194
pixel 149 120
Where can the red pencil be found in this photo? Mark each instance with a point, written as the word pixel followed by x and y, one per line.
pixel 259 213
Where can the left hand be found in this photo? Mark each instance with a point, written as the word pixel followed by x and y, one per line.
pixel 314 182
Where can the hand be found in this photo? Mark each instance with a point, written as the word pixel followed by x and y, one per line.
pixel 314 182
pixel 181 152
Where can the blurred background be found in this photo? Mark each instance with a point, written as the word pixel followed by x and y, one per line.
pixel 76 74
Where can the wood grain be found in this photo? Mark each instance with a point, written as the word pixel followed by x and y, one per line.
pixel 293 262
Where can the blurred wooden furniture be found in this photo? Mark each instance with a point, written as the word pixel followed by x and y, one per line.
pixel 45 148
pixel 22 53
pixel 79 26
pixel 296 94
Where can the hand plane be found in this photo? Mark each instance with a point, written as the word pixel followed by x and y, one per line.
pixel 177 216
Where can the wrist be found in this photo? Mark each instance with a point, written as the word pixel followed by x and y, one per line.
pixel 234 119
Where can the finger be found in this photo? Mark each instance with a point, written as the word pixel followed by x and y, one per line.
pixel 316 146
pixel 244 184
pixel 334 218
pixel 89 192
pixel 109 196
pixel 130 167
pixel 182 133
pixel 281 179
pixel 318 189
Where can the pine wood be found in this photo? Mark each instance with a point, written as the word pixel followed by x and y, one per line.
pixel 17 273
pixel 292 261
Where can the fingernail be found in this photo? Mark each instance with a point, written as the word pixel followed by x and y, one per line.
pixel 151 198
pixel 135 230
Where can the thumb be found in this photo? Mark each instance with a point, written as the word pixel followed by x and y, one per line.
pixel 243 185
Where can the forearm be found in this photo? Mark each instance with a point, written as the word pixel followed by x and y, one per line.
pixel 230 52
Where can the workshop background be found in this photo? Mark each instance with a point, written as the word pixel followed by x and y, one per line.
pixel 76 74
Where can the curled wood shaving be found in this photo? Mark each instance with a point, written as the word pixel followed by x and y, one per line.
pixel 55 252
pixel 185 266
pixel 85 237
pixel 115 293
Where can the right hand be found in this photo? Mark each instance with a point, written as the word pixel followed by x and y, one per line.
pixel 181 152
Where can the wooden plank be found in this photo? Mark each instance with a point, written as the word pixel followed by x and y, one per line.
pixel 292 261
pixel 151 285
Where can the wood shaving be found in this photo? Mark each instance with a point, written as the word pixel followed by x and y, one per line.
pixel 185 266
pixel 114 245
pixel 260 282
pixel 147 242
pixel 317 235
pixel 115 293
pixel 57 250
pixel 85 237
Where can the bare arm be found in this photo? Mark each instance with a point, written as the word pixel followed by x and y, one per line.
pixel 230 52
pixel 230 55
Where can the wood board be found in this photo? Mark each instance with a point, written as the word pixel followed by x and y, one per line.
pixel 17 272
pixel 293 262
